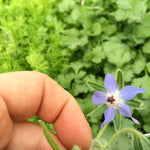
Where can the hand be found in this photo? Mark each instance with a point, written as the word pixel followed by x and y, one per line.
pixel 24 94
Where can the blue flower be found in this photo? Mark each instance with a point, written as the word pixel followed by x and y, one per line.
pixel 115 99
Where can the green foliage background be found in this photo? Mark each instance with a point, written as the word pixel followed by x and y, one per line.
pixel 75 41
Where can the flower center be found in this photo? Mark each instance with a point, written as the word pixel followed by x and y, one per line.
pixel 114 100
pixel 111 99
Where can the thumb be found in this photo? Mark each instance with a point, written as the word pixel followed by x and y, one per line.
pixel 6 124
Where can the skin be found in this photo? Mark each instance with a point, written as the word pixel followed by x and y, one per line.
pixel 26 93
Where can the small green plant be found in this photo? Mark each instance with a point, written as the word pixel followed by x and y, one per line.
pixel 114 99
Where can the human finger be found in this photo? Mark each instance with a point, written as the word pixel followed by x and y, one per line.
pixel 5 125
pixel 35 93
pixel 29 136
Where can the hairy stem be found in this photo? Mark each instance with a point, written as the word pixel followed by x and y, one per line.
pixel 123 131
pixel 102 131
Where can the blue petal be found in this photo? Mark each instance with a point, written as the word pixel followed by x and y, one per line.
pixel 99 98
pixel 109 115
pixel 129 92
pixel 110 83
pixel 124 110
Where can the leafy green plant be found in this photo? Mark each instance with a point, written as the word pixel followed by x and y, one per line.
pixel 77 42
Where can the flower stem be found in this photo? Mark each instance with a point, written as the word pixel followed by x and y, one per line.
pixel 117 121
pixel 123 131
pixel 102 131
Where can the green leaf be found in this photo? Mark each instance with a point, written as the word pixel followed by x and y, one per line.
pixel 146 128
pixel 120 78
pixel 123 4
pixel 128 73
pixel 95 127
pixel 119 15
pixel 119 57
pixel 117 121
pixel 38 62
pixel 123 142
pixel 95 29
pixel 99 144
pixel 140 142
pixel 66 5
pixel 81 74
pixel 48 136
pixel 79 87
pixel 95 86
pixel 76 66
pixel 137 144
pixel 146 48
pixel 143 82
pixel 65 80
pixel 74 38
pixel 146 20
pixel 75 14
pixel 142 31
pixel 109 29
pixel 97 54
pixel 117 53
pixel 97 111
pixel 139 64
pixel 87 101
pixel 136 104
pixel 34 119
pixel 148 67
pixel 126 122
pixel 130 9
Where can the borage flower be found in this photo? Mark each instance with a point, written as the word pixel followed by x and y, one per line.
pixel 115 99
